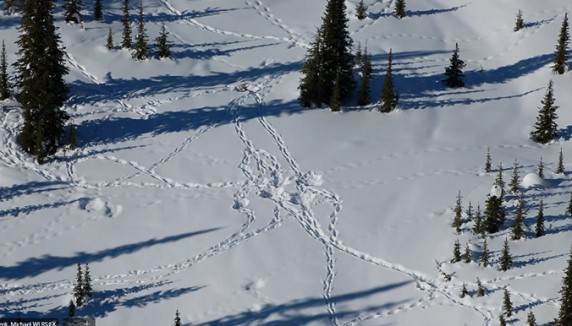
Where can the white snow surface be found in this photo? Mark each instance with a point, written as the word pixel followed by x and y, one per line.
pixel 201 185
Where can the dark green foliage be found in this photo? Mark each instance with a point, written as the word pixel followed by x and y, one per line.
pixel 565 313
pixel 506 258
pixel 546 128
pixel 519 22
pixel 467 255
pixel 78 292
pixel 163 43
pixel 399 10
pixel 485 256
pixel 464 291
pixel 358 55
pixel 502 321
pixel 361 12
pixel 494 214
pixel 364 97
pixel 560 165
pixel 456 252
pixel 311 85
pixel 141 46
pixel 507 303
pixel 518 228
pixel 539 230
pixel 97 10
pixel 330 69
pixel 561 54
pixel 4 83
pixel 71 309
pixel 478 227
pixel 531 319
pixel 389 98
pixel 458 210
pixel 73 11
pixel 126 42
pixel 87 287
pixel 499 181
pixel 109 43
pixel 73 137
pixel 177 319
pixel 514 178
pixel 540 168
pixel 569 208
pixel 469 212
pixel 488 163
pixel 454 73
pixel 480 289
pixel 40 71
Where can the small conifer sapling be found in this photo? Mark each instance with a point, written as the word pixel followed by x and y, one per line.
pixel 561 53
pixel 364 97
pixel 514 179
pixel 71 309
pixel 458 210
pixel 141 45
pixel 456 252
pixel 163 43
pixel 480 288
pixel 109 42
pixel 485 255
pixel 467 254
pixel 389 98
pixel 540 169
pixel 506 258
pixel 78 288
pixel 488 162
pixel 399 10
pixel 454 73
pixel 565 313
pixel 519 24
pixel 531 319
pixel 560 165
pixel 500 181
pixel 361 13
pixel 507 303
pixel 539 230
pixel 464 291
pixel 177 319
pixel 546 128
pixel 126 42
pixel 518 228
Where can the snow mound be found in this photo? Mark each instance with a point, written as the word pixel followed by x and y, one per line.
pixel 495 191
pixel 532 180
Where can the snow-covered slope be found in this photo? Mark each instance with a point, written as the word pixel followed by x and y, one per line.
pixel 241 208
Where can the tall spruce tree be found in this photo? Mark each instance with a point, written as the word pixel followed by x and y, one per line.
pixel 97 10
pixel 73 11
pixel 506 258
pixel 78 292
pixel 361 11
pixel 540 168
pixel 454 73
pixel 312 93
pixel 531 319
pixel 546 128
pixel 399 10
pixel 507 303
pixel 141 45
pixel 456 252
pixel 494 214
pixel 488 163
pixel 126 42
pixel 40 79
pixel 467 258
pixel 389 98
pixel 518 228
pixel 87 287
pixel 539 230
pixel 519 24
pixel 4 78
pixel 109 42
pixel 499 181
pixel 565 313
pixel 469 212
pixel 478 226
pixel 485 256
pixel 177 319
pixel 561 54
pixel 458 210
pixel 364 97
pixel 514 178
pixel 560 165
pixel 163 43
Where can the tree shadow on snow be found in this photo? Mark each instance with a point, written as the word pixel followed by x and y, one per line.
pixel 112 17
pixel 37 265
pixel 291 313
pixel 417 13
pixel 25 189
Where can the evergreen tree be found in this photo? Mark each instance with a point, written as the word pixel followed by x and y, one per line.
pixel 454 73
pixel 546 128
pixel 109 43
pixel 87 287
pixel 485 255
pixel 366 70
pixel 4 83
pixel 565 313
pixel 311 85
pixel 336 98
pixel 71 309
pixel 569 208
pixel 40 71
pixel 389 98
pixel 519 22
pixel 502 321
pixel 458 210
pixel 507 303
pixel 561 54
pixel 478 227
pixel 494 214
pixel 126 43
pixel 73 137
pixel 464 291
pixel 531 319
pixel 78 288
pixel 499 181
pixel 141 46
pixel 517 229
pixel 540 220
pixel 177 319
pixel 488 164
pixel 467 254
pixel 73 11
pixel 469 212
pixel 514 179
pixel 361 12
pixel 560 166
pixel 163 43
pixel 456 252
pixel 540 169
pixel 358 54
pixel 97 10
pixel 506 258
pixel 480 288
pixel 399 11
